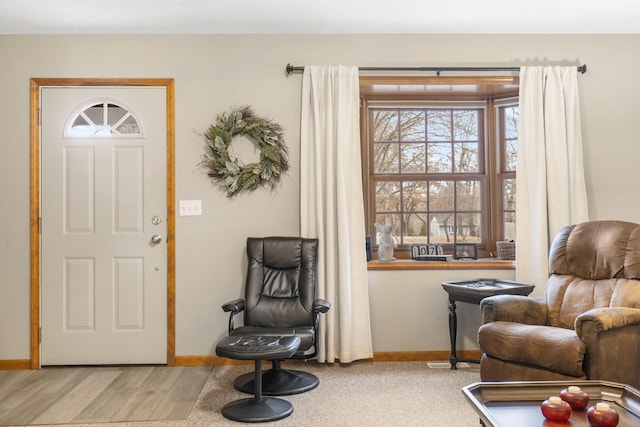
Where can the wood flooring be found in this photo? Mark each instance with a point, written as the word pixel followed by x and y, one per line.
pixel 99 394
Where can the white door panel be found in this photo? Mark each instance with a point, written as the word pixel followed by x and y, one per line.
pixel 104 283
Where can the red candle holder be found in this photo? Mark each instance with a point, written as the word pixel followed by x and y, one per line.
pixel 602 415
pixel 556 409
pixel 576 398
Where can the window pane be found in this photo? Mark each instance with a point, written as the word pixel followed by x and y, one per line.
pixel 412 126
pixel 465 125
pixel 95 113
pixel 415 228
pixel 441 228
pixel 385 125
pixel 509 194
pixel 439 158
pixel 128 125
pixel 385 158
pixel 413 158
pixel 468 227
pixel 81 126
pixel 439 125
pixel 414 196
pixel 511 154
pixel 469 196
pixel 511 121
pixel 388 196
pixel 509 208
pixel 510 225
pixel 466 156
pixel 114 114
pixel 441 196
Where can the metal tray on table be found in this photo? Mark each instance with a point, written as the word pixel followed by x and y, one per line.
pixel 487 287
pixel 507 404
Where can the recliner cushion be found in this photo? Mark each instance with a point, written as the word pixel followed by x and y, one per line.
pixel 555 349
pixel 281 282
pixel 306 334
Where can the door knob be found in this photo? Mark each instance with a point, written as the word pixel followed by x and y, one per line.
pixel 155 239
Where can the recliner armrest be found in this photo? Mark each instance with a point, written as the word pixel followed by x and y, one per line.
pixel 605 319
pixel 234 306
pixel 321 306
pixel 612 338
pixel 514 308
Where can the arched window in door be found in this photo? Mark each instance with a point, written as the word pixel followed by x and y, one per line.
pixel 103 119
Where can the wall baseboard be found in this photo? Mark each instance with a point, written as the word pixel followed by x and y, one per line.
pixel 387 356
pixel 209 361
pixel 381 356
pixel 424 356
pixel 18 364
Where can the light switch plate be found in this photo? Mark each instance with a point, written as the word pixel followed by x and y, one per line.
pixel 190 207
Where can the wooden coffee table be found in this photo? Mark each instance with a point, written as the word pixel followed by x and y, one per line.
pixel 507 404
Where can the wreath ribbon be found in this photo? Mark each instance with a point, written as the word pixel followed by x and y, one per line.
pixel 231 171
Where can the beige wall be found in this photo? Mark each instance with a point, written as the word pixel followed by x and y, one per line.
pixel 215 73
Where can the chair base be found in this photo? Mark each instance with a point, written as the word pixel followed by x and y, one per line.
pixel 252 410
pixel 278 382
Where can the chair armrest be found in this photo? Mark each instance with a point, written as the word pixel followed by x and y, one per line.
pixel 321 306
pixel 234 306
pixel 514 308
pixel 605 319
pixel 612 338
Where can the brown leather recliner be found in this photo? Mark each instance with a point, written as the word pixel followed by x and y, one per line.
pixel 588 324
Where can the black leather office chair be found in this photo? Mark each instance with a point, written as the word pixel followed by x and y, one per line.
pixel 280 300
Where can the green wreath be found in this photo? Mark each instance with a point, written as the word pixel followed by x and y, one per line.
pixel 230 171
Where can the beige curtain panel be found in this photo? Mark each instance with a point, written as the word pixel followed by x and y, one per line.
pixel 551 190
pixel 331 208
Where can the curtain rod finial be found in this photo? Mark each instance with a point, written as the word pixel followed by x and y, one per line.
pixel 582 68
pixel 290 69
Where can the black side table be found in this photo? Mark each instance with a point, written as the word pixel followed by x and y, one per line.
pixel 472 292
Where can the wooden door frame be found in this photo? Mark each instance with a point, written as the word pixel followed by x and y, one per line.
pixel 35 204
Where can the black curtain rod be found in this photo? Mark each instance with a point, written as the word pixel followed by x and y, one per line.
pixel 290 69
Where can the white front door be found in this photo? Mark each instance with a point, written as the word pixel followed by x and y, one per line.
pixel 103 229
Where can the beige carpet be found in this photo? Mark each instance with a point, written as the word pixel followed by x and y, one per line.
pixel 361 394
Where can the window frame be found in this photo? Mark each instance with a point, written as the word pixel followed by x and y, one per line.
pixel 502 172
pixel 492 161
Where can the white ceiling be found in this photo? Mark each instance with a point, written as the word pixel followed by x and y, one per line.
pixel 318 16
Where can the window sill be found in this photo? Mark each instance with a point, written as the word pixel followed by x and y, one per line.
pixel 465 264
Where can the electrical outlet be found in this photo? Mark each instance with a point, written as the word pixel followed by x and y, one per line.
pixel 190 207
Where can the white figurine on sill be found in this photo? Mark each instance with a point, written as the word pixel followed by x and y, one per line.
pixel 386 242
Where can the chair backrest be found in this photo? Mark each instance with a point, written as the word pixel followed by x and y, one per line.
pixel 281 281
pixel 593 264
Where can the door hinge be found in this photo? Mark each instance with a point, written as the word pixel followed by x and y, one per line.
pixel 39 116
pixel 40 225
pixel 40 335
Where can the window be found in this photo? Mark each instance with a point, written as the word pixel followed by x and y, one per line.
pixel 440 164
pixel 103 119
